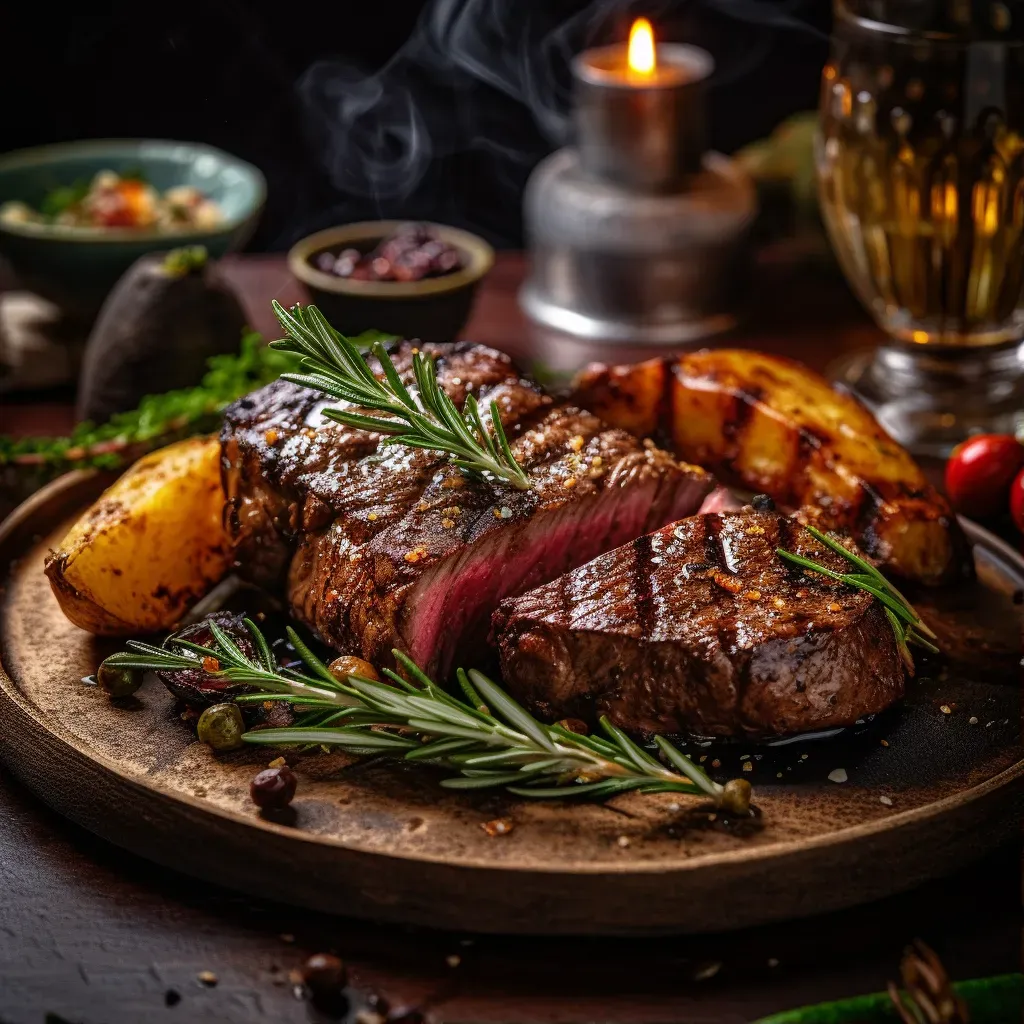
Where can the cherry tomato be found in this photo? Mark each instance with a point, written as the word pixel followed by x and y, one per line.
pixel 980 471
pixel 1017 500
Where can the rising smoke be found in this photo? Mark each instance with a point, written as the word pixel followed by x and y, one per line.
pixel 453 124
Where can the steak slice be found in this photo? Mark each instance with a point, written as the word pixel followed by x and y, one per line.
pixel 382 547
pixel 702 628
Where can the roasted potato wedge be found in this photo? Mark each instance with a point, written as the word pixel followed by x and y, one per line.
pixel 149 548
pixel 773 426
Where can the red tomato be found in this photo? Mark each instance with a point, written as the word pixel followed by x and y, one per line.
pixel 980 471
pixel 1017 500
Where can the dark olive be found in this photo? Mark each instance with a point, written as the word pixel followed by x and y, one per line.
pixel 325 977
pixel 118 682
pixel 273 788
pixel 345 666
pixel 221 727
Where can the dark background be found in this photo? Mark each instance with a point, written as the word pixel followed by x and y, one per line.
pixel 376 108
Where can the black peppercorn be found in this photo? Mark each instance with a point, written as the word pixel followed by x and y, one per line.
pixel 763 503
pixel 325 977
pixel 273 788
pixel 376 1003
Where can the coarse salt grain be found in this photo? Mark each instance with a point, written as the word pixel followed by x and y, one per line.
pixel 707 971
pixel 945 709
pixel 623 841
pixel 838 775
pixel 453 960
pixel 972 720
pixel 885 800
pixel 773 961
pixel 748 766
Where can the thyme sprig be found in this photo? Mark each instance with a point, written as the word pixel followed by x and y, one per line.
pixel 420 416
pixel 905 621
pixel 486 738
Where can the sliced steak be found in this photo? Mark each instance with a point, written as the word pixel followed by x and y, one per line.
pixel 702 628
pixel 386 546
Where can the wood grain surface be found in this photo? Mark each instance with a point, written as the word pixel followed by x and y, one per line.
pixel 94 934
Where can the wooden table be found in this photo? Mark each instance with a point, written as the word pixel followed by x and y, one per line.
pixel 94 935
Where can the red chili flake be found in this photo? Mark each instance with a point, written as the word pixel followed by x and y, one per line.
pixel 416 555
pixel 497 827
pixel 753 595
pixel 211 664
pixel 726 582
pixel 271 436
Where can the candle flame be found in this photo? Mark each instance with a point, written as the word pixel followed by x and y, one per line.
pixel 640 55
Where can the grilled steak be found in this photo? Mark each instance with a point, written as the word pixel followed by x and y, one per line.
pixel 702 628
pixel 387 546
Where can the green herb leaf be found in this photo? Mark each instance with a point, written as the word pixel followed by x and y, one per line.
pixel 425 418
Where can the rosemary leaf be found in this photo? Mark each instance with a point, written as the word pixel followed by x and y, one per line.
pixel 424 418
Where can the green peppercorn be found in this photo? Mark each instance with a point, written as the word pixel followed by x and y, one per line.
pixel 221 727
pixel 118 682
pixel 736 795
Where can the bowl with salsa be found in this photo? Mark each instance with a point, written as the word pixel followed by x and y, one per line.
pixel 414 279
pixel 74 216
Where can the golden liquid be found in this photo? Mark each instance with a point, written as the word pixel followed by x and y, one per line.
pixel 921 178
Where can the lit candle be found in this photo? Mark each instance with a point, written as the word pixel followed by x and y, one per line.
pixel 639 110
pixel 641 57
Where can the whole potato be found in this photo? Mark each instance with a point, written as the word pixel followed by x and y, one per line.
pixel 149 548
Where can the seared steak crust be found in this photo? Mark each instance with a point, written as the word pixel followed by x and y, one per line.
pixel 386 546
pixel 702 628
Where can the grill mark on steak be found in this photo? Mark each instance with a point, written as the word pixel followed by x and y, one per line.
pixel 381 547
pixel 749 647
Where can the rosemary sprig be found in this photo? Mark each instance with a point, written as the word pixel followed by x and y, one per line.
pixel 904 619
pixel 422 416
pixel 486 738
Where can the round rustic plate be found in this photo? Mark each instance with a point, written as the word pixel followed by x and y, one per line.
pixel 930 784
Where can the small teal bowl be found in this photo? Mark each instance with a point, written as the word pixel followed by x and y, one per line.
pixel 76 267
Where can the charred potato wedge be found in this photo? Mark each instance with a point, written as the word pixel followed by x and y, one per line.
pixel 149 548
pixel 775 427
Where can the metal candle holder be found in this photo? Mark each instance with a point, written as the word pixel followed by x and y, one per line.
pixel 636 234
